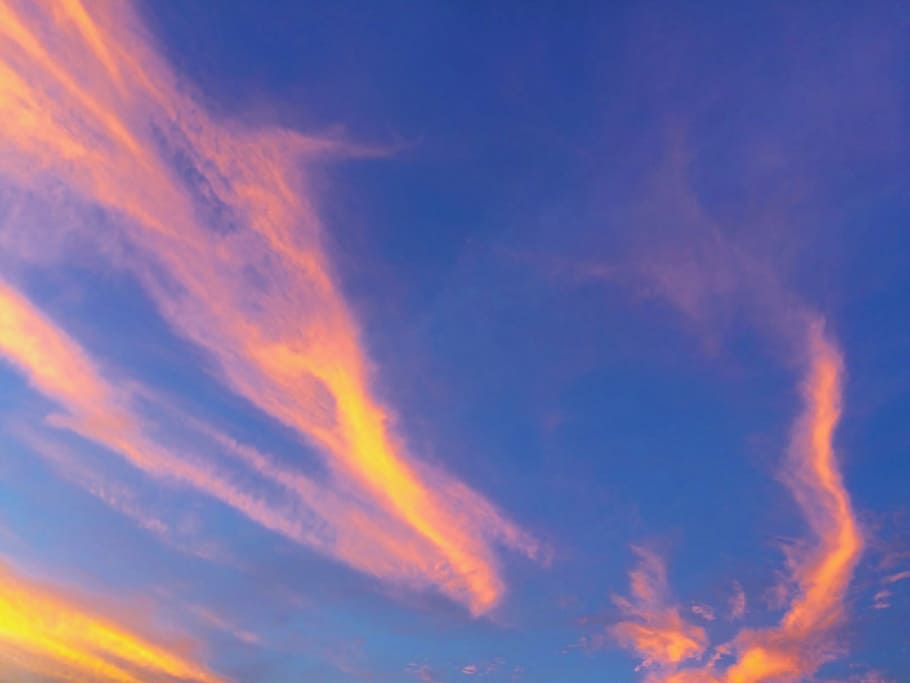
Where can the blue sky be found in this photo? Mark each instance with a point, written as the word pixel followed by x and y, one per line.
pixel 448 341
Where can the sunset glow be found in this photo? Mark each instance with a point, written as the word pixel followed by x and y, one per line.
pixel 348 342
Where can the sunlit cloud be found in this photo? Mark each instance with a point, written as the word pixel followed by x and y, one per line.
pixel 422 672
pixel 45 634
pixel 716 281
pixel 58 367
pixel 821 569
pixel 654 627
pixel 216 221
pixel 343 527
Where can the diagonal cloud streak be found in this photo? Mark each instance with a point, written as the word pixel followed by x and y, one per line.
pixel 355 533
pixel 215 221
pixel 45 634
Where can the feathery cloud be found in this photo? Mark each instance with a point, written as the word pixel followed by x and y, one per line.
pixel 218 224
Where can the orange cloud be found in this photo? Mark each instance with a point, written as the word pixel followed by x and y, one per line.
pixel 44 634
pixel 216 621
pixel 719 277
pixel 815 479
pixel 800 643
pixel 654 628
pixel 58 367
pixel 217 223
pixel 343 527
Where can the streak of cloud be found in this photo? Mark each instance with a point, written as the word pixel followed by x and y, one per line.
pixel 714 278
pixel 213 620
pixel 61 370
pixel 800 643
pixel 898 576
pixel 882 597
pixel 121 498
pixel 45 634
pixel 217 224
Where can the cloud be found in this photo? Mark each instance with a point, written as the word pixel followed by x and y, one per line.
pixel 217 223
pixel 654 628
pixel 897 576
pixel 800 642
pixel 706 612
pixel 882 597
pixel 343 527
pixel 60 369
pixel 737 602
pixel 422 672
pixel 45 634
pixel 821 569
pixel 715 277
pixel 214 620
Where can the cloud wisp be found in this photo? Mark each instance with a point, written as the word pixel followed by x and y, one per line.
pixel 45 634
pixel 217 223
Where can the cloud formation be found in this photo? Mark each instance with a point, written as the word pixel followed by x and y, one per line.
pixel 45 634
pixel 738 602
pixel 718 277
pixel 216 222
pixel 653 627
pixel 821 570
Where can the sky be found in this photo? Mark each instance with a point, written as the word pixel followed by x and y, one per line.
pixel 453 342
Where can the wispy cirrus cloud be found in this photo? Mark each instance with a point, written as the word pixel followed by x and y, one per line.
pixel 653 627
pixel 715 279
pixel 898 576
pixel 882 597
pixel 45 634
pixel 738 602
pixel 820 568
pixel 93 408
pixel 122 498
pixel 217 223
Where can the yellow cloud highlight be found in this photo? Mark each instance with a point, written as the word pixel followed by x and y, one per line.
pixel 43 633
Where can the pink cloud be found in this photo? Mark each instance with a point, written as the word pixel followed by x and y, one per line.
pixel 653 626
pixel 233 256
pixel 737 602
